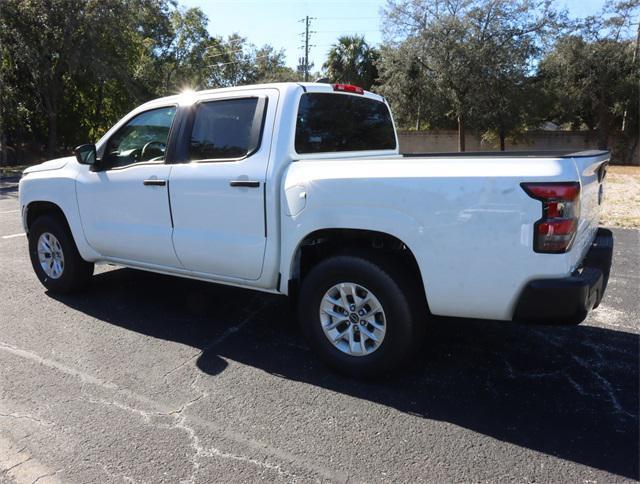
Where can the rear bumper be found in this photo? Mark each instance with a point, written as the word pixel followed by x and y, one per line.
pixel 568 300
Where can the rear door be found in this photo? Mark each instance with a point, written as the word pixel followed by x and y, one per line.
pixel 217 193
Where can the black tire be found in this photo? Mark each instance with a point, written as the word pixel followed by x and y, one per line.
pixel 402 301
pixel 76 272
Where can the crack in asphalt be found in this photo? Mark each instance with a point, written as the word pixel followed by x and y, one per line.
pixel 85 378
pixel 8 469
pixel 579 388
pixel 228 332
pixel 82 376
pixel 200 451
pixel 27 417
pixel 210 451
pixel 563 372
pixel 181 423
pixel 604 383
pixel 48 474
pixel 112 474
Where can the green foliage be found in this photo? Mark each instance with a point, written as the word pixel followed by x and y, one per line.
pixel 235 62
pixel 474 56
pixel 70 68
pixel 269 66
pixel 411 90
pixel 592 75
pixel 352 61
pixel 500 68
pixel 72 63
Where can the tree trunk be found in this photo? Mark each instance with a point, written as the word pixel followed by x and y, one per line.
pixel 605 122
pixel 461 145
pixel 3 148
pixel 3 138
pixel 52 138
pixel 602 139
pixel 418 119
pixel 633 65
pixel 98 118
pixel 502 136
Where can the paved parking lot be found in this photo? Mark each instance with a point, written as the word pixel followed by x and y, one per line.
pixel 146 378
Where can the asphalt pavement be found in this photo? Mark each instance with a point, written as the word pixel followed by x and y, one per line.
pixel 148 378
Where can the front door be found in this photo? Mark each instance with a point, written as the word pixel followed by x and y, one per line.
pixel 124 204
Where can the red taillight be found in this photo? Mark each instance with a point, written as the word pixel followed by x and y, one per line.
pixel 348 88
pixel 557 228
pixel 552 191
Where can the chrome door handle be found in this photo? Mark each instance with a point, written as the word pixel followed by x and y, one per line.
pixel 153 182
pixel 244 183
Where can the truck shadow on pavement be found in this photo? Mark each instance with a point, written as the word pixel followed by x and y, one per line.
pixel 570 392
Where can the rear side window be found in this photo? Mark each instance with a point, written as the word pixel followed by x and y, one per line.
pixel 226 129
pixel 341 122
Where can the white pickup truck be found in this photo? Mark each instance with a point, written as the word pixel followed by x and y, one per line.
pixel 299 189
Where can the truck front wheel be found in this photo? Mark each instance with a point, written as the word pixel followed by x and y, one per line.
pixel 363 317
pixel 54 256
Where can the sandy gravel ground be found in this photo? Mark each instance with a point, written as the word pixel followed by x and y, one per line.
pixel 622 197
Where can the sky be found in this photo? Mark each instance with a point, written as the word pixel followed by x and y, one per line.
pixel 280 22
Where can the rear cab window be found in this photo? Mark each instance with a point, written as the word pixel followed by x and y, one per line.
pixel 332 122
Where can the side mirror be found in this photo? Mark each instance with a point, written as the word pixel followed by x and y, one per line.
pixel 86 154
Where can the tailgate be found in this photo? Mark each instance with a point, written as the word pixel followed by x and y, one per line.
pixel 591 167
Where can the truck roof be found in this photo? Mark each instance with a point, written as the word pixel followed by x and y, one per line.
pixel 281 86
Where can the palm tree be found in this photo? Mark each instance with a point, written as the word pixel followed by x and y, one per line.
pixel 351 60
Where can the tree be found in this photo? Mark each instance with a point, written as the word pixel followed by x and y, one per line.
pixel 235 62
pixel 183 58
pixel 351 60
pixel 7 96
pixel 410 89
pixel 59 58
pixel 41 42
pixel 269 66
pixel 469 47
pixel 592 74
pixel 504 94
pixel 70 68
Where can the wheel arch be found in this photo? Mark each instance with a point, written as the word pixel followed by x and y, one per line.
pixel 54 191
pixel 38 208
pixel 319 244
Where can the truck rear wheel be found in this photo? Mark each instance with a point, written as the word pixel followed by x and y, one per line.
pixel 363 317
pixel 55 258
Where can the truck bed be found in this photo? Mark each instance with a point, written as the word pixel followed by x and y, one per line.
pixel 510 154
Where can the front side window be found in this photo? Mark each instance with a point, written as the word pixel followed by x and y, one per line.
pixel 143 138
pixel 225 129
pixel 342 122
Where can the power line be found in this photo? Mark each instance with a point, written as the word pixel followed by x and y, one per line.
pixel 347 31
pixel 219 64
pixel 224 53
pixel 348 18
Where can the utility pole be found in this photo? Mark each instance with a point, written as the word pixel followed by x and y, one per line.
pixel 304 61
pixel 306 49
